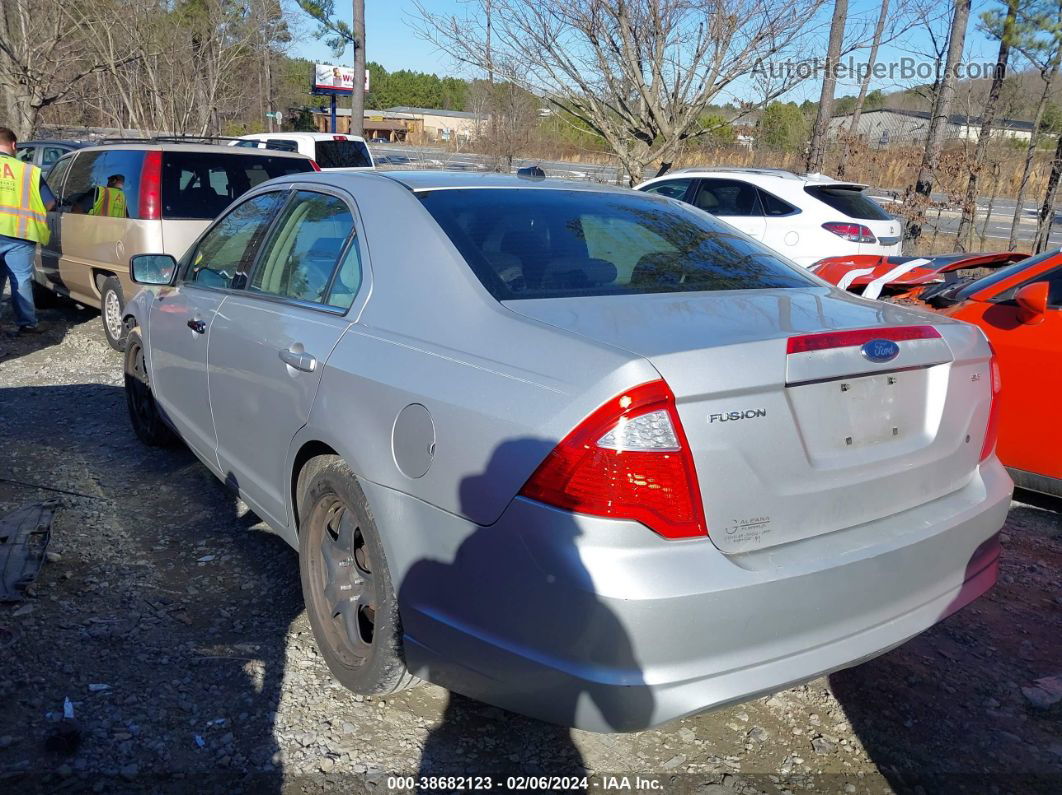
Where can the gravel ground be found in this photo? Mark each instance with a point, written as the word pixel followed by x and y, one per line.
pixel 173 621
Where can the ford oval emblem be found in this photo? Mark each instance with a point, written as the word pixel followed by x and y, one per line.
pixel 880 351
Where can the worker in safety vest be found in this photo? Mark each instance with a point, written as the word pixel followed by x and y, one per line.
pixel 24 202
pixel 110 201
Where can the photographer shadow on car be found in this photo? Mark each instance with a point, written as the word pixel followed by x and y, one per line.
pixel 531 634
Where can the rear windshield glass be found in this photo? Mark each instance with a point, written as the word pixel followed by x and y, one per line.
pixel 199 185
pixel 849 201
pixel 342 154
pixel 1002 274
pixel 551 243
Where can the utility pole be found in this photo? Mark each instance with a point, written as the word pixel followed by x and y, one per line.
pixel 357 97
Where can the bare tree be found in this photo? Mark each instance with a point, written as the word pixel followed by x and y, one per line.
pixel 864 86
pixel 41 60
pixel 918 198
pixel 639 73
pixel 1047 209
pixel 988 119
pixel 817 147
pixel 1042 46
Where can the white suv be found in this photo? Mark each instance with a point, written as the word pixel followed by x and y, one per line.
pixel 331 152
pixel 804 216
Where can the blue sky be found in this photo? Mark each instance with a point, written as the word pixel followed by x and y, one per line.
pixel 390 41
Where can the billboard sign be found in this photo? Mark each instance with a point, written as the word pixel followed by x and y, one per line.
pixel 329 79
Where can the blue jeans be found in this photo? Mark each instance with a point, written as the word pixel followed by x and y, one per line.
pixel 16 256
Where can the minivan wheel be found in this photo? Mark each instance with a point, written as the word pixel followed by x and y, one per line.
pixel 112 306
pixel 346 585
pixel 143 411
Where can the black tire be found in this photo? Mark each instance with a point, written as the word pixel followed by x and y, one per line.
pixel 346 585
pixel 148 424
pixel 112 308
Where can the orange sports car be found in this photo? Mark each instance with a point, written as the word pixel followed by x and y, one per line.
pixel 1019 307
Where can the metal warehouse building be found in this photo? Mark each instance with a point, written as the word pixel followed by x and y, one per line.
pixel 884 127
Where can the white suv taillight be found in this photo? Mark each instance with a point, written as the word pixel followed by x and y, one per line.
pixel 628 460
pixel 856 233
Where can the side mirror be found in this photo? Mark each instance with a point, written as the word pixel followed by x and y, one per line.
pixel 1032 302
pixel 156 269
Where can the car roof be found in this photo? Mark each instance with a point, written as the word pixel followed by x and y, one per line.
pixel 172 146
pixel 53 142
pixel 766 174
pixel 448 180
pixel 315 136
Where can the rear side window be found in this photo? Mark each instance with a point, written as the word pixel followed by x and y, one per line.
pixel 543 243
pixel 848 200
pixel 281 145
pixel 306 244
pixel 342 154
pixel 50 154
pixel 200 185
pixel 774 207
pixel 727 197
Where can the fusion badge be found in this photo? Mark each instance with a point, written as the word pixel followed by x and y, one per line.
pixel 880 351
pixel 730 416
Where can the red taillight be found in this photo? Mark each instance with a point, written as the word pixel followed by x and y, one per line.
pixel 856 233
pixel 628 460
pixel 150 205
pixel 848 339
pixel 315 166
pixel 339 137
pixel 992 429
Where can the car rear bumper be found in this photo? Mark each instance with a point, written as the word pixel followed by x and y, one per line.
pixel 602 625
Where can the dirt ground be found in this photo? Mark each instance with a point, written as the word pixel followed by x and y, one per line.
pixel 172 620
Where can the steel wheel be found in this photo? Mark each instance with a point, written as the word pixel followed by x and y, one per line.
pixel 112 314
pixel 112 309
pixel 342 583
pixel 346 584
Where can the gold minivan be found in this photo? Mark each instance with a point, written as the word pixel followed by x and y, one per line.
pixel 152 197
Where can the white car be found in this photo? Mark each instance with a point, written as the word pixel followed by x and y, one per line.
pixel 803 216
pixel 331 151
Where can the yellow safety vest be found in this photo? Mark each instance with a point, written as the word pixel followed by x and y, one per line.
pixel 109 202
pixel 22 212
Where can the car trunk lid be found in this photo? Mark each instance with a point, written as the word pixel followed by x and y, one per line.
pixel 792 437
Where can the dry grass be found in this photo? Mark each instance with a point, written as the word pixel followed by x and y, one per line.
pixel 893 168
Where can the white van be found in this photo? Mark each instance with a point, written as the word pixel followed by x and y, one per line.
pixel 331 151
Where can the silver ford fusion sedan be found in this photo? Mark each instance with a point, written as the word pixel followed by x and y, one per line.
pixel 583 453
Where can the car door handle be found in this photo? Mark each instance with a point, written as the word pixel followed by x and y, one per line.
pixel 306 362
pixel 198 326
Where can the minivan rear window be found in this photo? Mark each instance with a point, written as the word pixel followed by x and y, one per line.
pixel 342 154
pixel 199 185
pixel 544 243
pixel 849 200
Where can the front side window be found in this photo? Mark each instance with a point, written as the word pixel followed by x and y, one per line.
pixel 544 243
pixel 56 178
pixel 672 188
pixel 80 182
pixel 226 252
pixel 304 249
pixel 200 185
pixel 25 153
pixel 728 197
